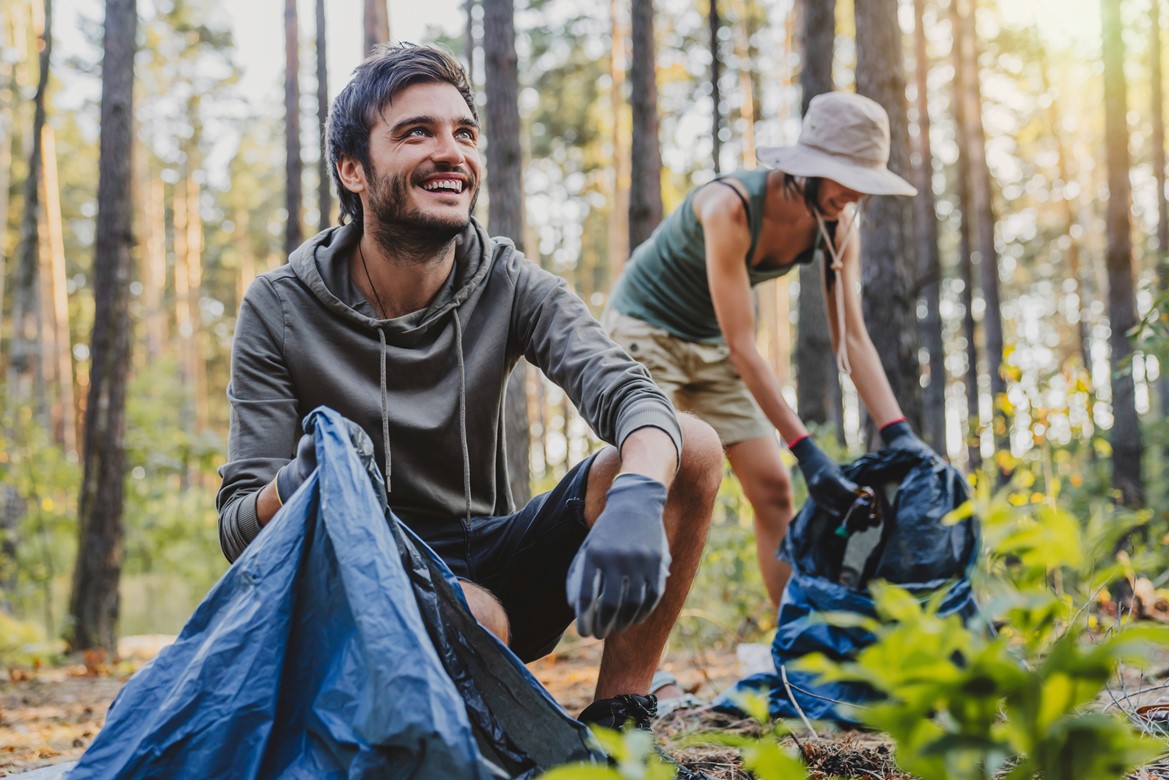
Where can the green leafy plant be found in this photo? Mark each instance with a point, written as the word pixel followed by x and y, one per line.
pixel 632 754
pixel 967 703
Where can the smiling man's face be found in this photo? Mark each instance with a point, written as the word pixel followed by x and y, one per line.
pixel 424 155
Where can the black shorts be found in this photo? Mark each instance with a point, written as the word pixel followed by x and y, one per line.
pixel 523 559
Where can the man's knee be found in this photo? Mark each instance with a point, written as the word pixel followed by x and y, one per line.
pixel 487 610
pixel 701 468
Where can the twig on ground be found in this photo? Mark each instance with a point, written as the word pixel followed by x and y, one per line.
pixel 799 710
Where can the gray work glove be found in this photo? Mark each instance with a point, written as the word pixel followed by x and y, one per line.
pixel 619 574
pixel 899 436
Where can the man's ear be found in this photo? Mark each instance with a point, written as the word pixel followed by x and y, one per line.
pixel 352 174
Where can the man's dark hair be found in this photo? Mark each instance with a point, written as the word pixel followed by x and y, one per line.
pixel 385 73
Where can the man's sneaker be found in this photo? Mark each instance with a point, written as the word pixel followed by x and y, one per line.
pixel 615 713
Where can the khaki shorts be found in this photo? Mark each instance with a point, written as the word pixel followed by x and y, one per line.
pixel 698 378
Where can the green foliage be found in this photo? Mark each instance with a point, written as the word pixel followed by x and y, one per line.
pixel 968 703
pixel 633 755
pixel 763 756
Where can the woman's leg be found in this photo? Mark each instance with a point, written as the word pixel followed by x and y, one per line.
pixel 767 484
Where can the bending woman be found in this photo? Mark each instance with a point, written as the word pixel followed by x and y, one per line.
pixel 684 308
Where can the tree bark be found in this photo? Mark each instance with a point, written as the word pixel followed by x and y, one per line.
pixel 94 603
pixel 645 190
pixel 887 268
pixel 23 366
pixel 619 171
pixel 506 207
pixel 469 41
pixel 293 234
pixel 716 66
pixel 1158 112
pixel 58 345
pixel 817 379
pixel 929 260
pixel 324 176
pixel 965 247
pixel 1126 429
pixel 376 24
pixel 8 89
pixel 983 218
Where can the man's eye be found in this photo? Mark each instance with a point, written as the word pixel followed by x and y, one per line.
pixel 468 134
pixel 417 131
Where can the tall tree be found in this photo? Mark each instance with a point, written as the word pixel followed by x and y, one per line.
pixel 505 215
pixel 983 218
pixel 293 235
pixel 929 260
pixel 618 139
pixel 94 604
pixel 469 42
pixel 54 307
pixel 22 362
pixel 324 177
pixel 716 67
pixel 817 380
pixel 1157 109
pixel 890 305
pixel 965 242
pixel 1126 429
pixel 8 89
pixel 645 190
pixel 376 24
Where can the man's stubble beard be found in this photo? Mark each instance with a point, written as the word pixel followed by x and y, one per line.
pixel 411 234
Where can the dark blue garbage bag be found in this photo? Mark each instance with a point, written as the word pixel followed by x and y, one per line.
pixel 912 548
pixel 336 646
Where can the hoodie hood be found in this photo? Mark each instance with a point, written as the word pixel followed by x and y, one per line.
pixel 322 263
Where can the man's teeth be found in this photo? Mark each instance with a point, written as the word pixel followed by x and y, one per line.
pixel 444 184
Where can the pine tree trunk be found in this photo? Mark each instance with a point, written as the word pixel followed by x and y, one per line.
pixel 324 175
pixel 154 267
pixel 293 235
pixel 817 380
pixel 619 171
pixel 469 42
pixel 645 188
pixel 376 24
pixel 983 218
pixel 929 260
pixel 748 83
pixel 94 603
pixel 55 311
pixel 1126 429
pixel 8 88
pixel 887 268
pixel 1158 132
pixel 716 66
pixel 506 208
pixel 965 246
pixel 23 366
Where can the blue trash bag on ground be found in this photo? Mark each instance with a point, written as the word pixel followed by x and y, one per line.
pixel 337 646
pixel 912 547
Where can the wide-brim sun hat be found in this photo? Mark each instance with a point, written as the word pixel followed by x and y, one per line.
pixel 845 138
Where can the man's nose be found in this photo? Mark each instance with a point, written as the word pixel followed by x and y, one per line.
pixel 448 149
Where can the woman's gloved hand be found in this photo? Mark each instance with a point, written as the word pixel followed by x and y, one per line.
pixel 897 435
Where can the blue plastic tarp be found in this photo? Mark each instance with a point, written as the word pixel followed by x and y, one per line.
pixel 916 549
pixel 338 645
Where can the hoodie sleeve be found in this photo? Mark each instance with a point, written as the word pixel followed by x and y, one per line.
pixel 264 415
pixel 613 392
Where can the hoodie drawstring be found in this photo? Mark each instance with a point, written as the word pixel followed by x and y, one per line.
pixel 463 414
pixel 462 411
pixel 385 409
pixel 837 266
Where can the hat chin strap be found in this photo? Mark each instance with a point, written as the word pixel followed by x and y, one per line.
pixel 837 265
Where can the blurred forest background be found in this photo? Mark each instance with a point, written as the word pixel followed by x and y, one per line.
pixel 1018 301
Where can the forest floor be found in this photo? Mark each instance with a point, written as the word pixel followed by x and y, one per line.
pixel 50 716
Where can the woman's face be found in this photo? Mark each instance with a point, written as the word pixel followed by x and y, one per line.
pixel 834 197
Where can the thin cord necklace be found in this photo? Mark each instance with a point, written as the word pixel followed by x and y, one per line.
pixel 381 310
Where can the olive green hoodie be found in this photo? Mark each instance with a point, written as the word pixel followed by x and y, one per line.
pixel 427 387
